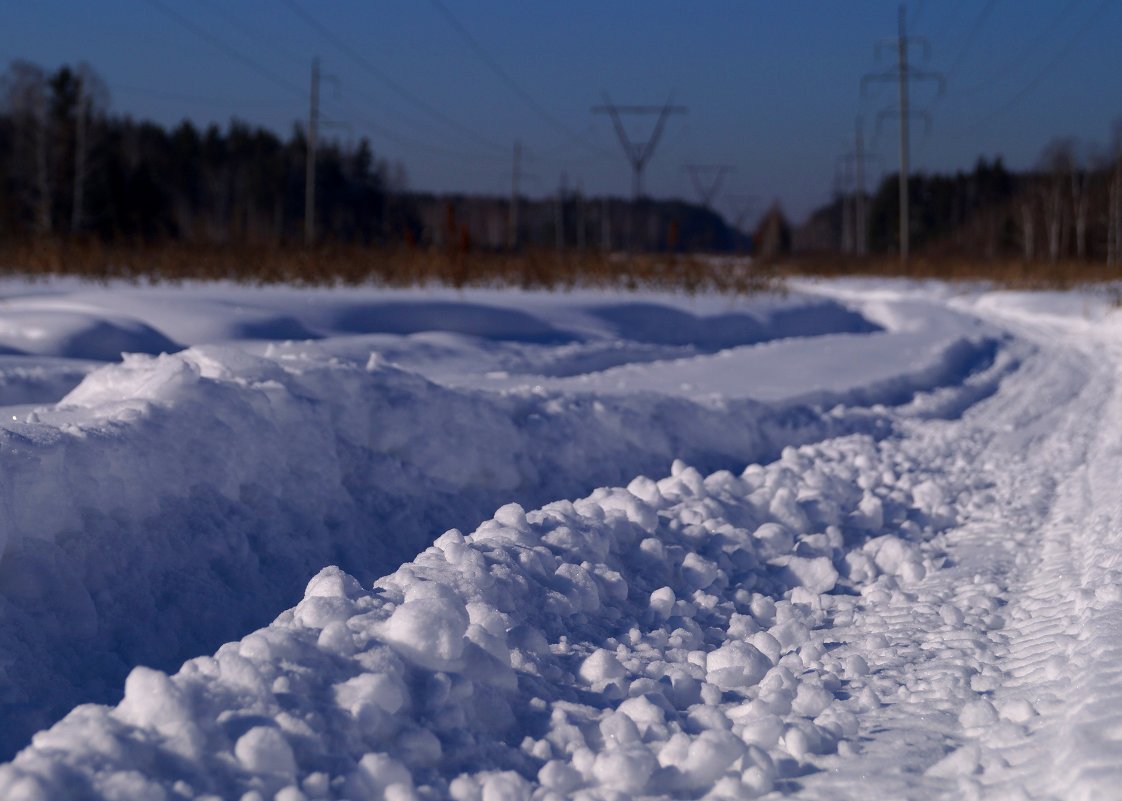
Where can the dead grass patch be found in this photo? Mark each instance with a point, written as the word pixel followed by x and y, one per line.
pixel 395 267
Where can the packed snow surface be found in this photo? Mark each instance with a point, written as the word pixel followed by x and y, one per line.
pixel 857 541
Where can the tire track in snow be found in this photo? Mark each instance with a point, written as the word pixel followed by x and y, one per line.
pixel 1065 684
pixel 985 677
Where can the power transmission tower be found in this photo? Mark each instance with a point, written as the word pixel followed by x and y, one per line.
pixel 310 160
pixel 860 227
pixel 742 206
pixel 708 189
pixel 903 73
pixel 315 120
pixel 857 160
pixel 638 153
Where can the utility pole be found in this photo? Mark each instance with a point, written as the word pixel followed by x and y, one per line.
pixel 310 160
pixel 638 153
pixel 857 160
pixel 708 189
pixel 903 73
pixel 512 233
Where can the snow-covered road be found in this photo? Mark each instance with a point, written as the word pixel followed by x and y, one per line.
pixel 913 590
pixel 998 671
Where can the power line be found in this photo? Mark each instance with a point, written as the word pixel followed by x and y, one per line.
pixel 949 20
pixel 1036 79
pixel 917 14
pixel 1027 51
pixel 252 32
pixel 232 52
pixel 393 85
pixel 382 130
pixel 506 78
pixel 968 42
pixel 551 153
pixel 340 114
pixel 183 97
pixel 347 112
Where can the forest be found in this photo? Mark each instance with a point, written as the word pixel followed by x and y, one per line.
pixel 72 172
pixel 69 168
pixel 1067 207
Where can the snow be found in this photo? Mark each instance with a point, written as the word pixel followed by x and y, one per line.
pixel 856 541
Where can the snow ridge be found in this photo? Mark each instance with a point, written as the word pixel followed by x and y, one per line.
pixel 173 503
pixel 658 639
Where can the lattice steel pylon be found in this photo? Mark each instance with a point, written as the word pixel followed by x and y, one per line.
pixel 638 153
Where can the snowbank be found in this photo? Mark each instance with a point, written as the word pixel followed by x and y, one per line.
pixel 659 639
pixel 172 503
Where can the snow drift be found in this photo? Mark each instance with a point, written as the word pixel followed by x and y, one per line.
pixel 172 503
pixel 649 640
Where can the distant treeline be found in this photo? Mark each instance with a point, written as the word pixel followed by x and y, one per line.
pixel 70 170
pixel 1069 207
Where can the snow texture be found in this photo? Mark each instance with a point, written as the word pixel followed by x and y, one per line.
pixel 857 542
pixel 530 646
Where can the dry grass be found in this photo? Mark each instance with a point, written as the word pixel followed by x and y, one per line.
pixel 397 267
pixel 1008 273
pixel 545 269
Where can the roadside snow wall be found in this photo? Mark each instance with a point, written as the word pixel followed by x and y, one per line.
pixel 173 503
pixel 659 640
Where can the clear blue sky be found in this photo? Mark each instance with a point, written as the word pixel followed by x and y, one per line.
pixel 772 86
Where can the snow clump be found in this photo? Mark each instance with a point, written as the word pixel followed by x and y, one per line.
pixel 625 644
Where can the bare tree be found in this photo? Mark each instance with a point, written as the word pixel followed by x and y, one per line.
pixel 1114 215
pixel 1028 235
pixel 93 99
pixel 1079 206
pixel 25 100
pixel 1059 164
pixel 1114 198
